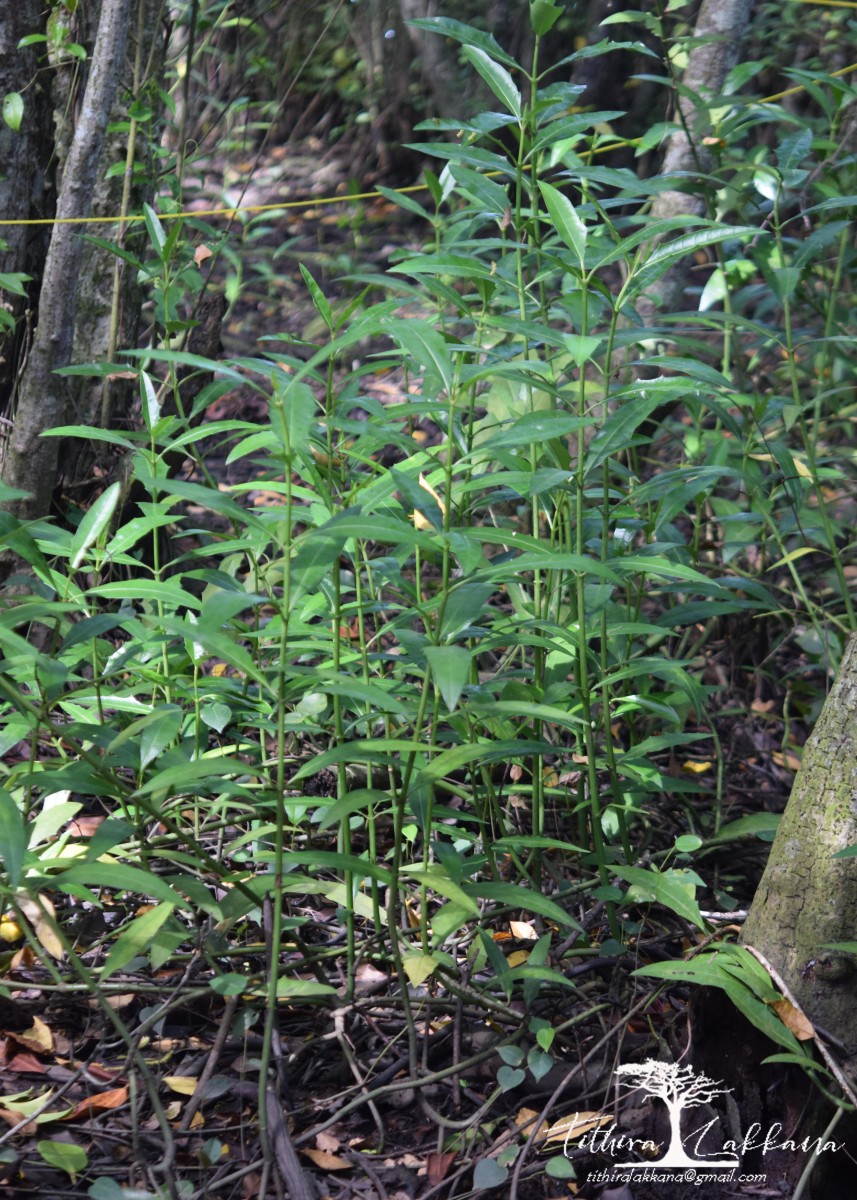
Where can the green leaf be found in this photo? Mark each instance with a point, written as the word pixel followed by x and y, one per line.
pixel 119 877
pixel 559 1167
pixel 581 349
pixel 761 825
pixel 109 833
pixel 682 246
pixel 56 813
pixel 687 843
pixel 617 431
pixel 155 229
pixel 135 939
pixel 450 669
pixel 565 221
pixel 151 402
pixel 531 842
pixel 13 281
pixel 158 591
pixel 158 732
pixel 488 1173
pixel 407 202
pixel 664 888
pixel 418 968
pixel 95 521
pixel 543 16
pixel 13 110
pixel 534 427
pixel 509 1078
pixel 710 973
pixel 229 984
pixel 105 1188
pixel 292 410
pixel 435 877
pixel 466 35
pixel 485 192
pixel 132 531
pixel 302 989
pixel 498 79
pixel 521 898
pixel 426 346
pixel 216 716
pixel 318 297
pixel 538 1064
pixel 66 1156
pixel 793 148
pixel 14 838
pixel 455 265
pixel 93 434
pixel 14 535
pixel 332 859
pixel 702 970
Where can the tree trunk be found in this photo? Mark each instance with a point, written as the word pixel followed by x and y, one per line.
pixel 26 185
pixel 808 898
pixel 109 297
pixel 31 461
pixel 438 64
pixel 717 39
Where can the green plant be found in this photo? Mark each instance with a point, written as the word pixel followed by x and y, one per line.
pixel 443 696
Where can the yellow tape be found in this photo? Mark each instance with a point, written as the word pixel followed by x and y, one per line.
pixel 313 201
pixel 308 202
pixel 833 74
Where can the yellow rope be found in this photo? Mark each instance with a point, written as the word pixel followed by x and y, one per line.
pixel 313 201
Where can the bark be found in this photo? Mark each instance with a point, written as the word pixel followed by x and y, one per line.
pixel 807 898
pixel 720 25
pixel 377 31
pixel 109 298
pixel 31 461
pixel 26 189
pixel 438 66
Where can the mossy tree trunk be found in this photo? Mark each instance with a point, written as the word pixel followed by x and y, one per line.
pixel 807 898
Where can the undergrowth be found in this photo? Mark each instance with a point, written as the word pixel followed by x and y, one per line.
pixel 424 681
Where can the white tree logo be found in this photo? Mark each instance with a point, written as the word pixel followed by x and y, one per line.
pixel 679 1088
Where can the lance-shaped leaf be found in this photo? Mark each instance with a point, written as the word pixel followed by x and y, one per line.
pixel 565 220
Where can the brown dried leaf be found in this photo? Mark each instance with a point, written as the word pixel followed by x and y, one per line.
pixel 13 1119
pixel 794 1020
pixel 85 826
pixel 37 1038
pixel 46 932
pixel 327 1162
pixel 26 1063
pixel 438 1165
pixel 100 1102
